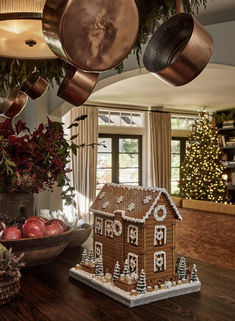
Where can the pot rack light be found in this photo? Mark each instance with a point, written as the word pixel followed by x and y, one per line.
pixel 21 30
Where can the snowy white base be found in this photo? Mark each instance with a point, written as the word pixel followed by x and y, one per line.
pixel 132 301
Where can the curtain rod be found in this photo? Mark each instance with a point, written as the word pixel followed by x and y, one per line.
pixel 143 109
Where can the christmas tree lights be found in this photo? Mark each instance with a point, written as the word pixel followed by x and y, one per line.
pixel 201 171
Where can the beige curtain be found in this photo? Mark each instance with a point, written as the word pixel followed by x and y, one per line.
pixel 85 163
pixel 160 149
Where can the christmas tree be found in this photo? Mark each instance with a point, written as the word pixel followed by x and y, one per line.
pixel 126 270
pixel 116 272
pixel 91 257
pixel 181 271
pixel 141 284
pixel 194 273
pixel 99 269
pixel 84 256
pixel 201 172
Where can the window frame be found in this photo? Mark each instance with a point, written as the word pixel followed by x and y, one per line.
pixel 115 155
pixel 183 141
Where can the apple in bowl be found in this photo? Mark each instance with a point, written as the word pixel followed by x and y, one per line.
pixel 11 233
pixel 53 228
pixel 33 228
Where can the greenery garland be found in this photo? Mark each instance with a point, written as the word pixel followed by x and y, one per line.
pixel 151 14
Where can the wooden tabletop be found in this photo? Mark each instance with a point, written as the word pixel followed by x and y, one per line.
pixel 47 293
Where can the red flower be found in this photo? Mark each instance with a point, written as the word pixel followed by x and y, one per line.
pixel 6 128
pixel 20 126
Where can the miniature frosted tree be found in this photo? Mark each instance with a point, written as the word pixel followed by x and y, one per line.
pixel 141 284
pixel 182 269
pixel 91 257
pixel 99 269
pixel 126 270
pixel 84 256
pixel 116 272
pixel 194 277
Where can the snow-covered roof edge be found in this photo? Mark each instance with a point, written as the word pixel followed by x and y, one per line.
pixel 142 188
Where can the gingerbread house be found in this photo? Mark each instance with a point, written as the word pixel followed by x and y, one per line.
pixel 137 224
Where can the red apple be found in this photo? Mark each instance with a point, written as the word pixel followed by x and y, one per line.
pixel 36 218
pixel 33 228
pixel 62 223
pixel 53 228
pixel 11 233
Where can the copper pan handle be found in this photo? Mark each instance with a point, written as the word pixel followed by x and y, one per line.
pixel 179 6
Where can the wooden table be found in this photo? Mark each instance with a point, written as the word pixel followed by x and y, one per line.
pixel 47 293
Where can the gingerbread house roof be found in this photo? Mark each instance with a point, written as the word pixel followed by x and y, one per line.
pixel 135 203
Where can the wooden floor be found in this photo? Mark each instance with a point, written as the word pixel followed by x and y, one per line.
pixel 48 294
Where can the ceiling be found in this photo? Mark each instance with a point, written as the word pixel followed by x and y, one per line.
pixel 217 11
pixel 145 90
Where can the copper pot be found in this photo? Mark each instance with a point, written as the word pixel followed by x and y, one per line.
pixel 35 85
pixel 14 103
pixel 92 35
pixel 77 86
pixel 179 50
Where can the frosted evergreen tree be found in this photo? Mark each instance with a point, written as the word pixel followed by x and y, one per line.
pixel 141 284
pixel 99 269
pixel 91 257
pixel 116 272
pixel 181 271
pixel 194 277
pixel 84 256
pixel 126 270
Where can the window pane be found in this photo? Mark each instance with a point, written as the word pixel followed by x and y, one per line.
pixel 104 160
pixel 103 117
pixel 175 160
pixel 126 119
pixel 115 119
pixel 174 122
pixel 128 175
pixel 107 142
pixel 175 146
pixel 182 123
pixel 104 176
pixel 136 120
pixel 175 174
pixel 175 188
pixel 128 145
pixel 128 160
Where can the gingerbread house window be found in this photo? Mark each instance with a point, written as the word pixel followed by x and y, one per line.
pixel 159 264
pixel 98 250
pixel 160 213
pixel 159 235
pixel 133 262
pixel 99 225
pixel 132 235
pixel 109 228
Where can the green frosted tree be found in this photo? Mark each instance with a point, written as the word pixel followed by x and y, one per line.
pixel 84 256
pixel 99 269
pixel 181 271
pixel 201 171
pixel 116 271
pixel 194 277
pixel 126 270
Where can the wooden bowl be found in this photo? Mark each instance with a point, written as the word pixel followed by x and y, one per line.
pixel 79 236
pixel 39 250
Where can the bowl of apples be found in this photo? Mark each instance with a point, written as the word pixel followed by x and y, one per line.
pixel 40 239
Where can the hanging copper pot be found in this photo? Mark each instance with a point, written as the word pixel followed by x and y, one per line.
pixel 35 85
pixel 14 103
pixel 92 35
pixel 179 49
pixel 77 86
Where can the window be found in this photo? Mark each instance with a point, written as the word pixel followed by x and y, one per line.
pixel 120 118
pixel 133 262
pixel 159 261
pixel 109 228
pixel 132 235
pixel 183 122
pixel 98 250
pixel 178 146
pixel 159 235
pixel 121 160
pixel 99 225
